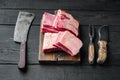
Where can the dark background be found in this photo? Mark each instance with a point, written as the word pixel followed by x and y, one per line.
pixel 96 12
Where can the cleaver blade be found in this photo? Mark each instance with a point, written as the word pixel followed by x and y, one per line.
pixel 22 26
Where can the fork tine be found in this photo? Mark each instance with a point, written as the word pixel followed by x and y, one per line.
pixel 91 31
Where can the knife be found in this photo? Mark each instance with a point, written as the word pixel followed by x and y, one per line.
pixel 103 40
pixel 23 23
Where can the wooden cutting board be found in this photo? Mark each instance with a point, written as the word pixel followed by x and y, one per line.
pixel 56 57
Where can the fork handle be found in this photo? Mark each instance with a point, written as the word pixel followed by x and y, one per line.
pixel 91 53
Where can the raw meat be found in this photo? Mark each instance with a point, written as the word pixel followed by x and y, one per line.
pixel 60 31
pixel 49 40
pixel 68 43
pixel 64 21
pixel 61 21
pixel 47 23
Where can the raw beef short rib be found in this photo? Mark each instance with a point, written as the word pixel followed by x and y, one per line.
pixel 49 40
pixel 68 43
pixel 61 21
pixel 47 23
pixel 60 33
pixel 65 21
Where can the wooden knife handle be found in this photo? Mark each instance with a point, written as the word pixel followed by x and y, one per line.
pixel 91 54
pixel 102 52
pixel 22 61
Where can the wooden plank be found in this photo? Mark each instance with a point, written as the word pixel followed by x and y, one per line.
pixel 85 17
pixel 92 73
pixel 61 4
pixel 56 72
pixel 9 50
pixel 115 41
pixel 36 72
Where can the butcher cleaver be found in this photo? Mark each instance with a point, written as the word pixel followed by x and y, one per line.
pixel 23 23
pixel 103 40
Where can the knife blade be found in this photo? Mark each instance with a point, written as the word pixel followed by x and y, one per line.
pixel 103 40
pixel 23 23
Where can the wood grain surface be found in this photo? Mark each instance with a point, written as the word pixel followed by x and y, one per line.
pixel 96 12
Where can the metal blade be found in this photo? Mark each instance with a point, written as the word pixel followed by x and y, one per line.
pixel 103 33
pixel 22 26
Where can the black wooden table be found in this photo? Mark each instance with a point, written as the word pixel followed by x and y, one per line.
pixel 97 12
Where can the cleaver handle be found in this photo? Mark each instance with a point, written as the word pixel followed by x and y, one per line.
pixel 22 61
pixel 102 52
